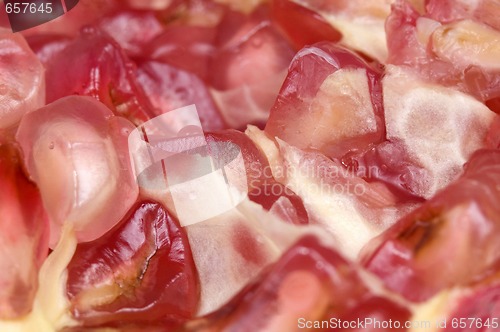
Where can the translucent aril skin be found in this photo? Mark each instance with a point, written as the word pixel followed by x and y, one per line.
pixel 24 235
pixel 76 151
pixel 103 72
pixel 140 272
pixel 22 79
pixel 169 88
pixel 449 241
pixel 309 283
pixel 262 187
pixel 330 101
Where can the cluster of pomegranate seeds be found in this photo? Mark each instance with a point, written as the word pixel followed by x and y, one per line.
pixel 342 168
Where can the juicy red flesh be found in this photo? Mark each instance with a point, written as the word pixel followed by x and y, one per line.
pixel 335 290
pixel 23 236
pixel 464 214
pixel 248 66
pixel 103 72
pixel 144 264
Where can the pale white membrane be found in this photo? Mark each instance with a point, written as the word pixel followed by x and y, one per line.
pixel 336 202
pixel 439 127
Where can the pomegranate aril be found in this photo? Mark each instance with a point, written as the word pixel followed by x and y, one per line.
pixel 434 137
pixel 248 66
pixel 249 48
pixel 76 150
pixel 454 50
pixel 331 101
pixel 361 23
pixel 458 227
pixel 141 271
pixel 447 11
pixel 337 199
